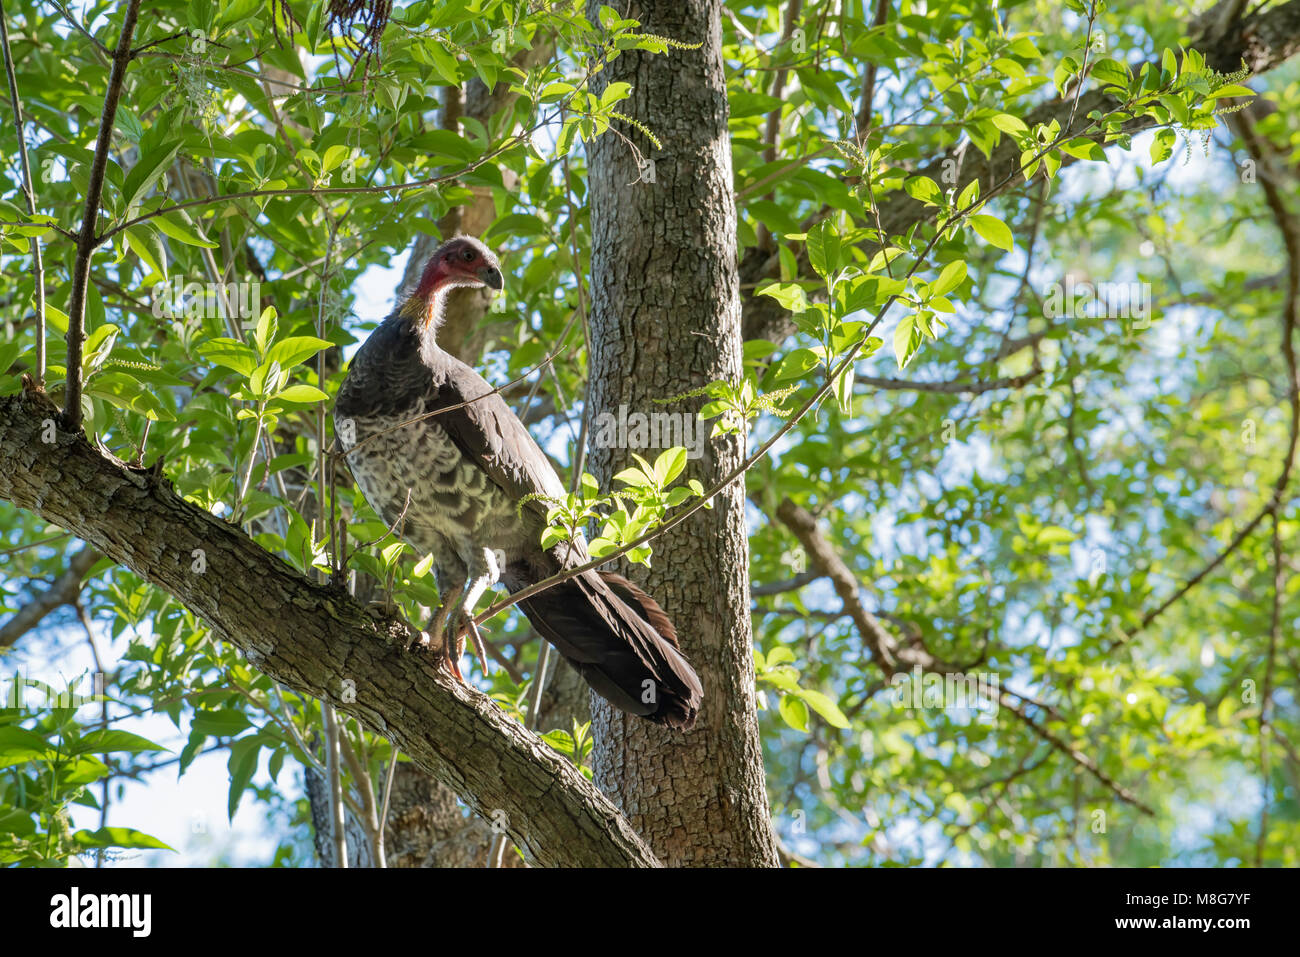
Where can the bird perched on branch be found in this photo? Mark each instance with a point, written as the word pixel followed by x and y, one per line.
pixel 441 458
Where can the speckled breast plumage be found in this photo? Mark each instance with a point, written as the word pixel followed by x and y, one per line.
pixel 454 507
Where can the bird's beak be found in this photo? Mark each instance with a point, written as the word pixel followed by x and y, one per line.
pixel 491 276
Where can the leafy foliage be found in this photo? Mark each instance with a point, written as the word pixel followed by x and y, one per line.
pixel 1043 479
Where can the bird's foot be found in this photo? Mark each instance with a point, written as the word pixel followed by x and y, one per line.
pixel 445 644
pixel 469 627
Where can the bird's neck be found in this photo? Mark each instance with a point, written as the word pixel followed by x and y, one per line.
pixel 426 314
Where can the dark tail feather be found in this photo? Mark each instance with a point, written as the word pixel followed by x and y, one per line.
pixel 622 643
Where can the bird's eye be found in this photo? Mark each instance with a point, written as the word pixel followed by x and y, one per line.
pixel 469 255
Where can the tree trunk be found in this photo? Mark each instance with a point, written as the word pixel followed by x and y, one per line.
pixel 666 319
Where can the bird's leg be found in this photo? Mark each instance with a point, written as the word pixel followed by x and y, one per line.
pixel 451 601
pixel 484 572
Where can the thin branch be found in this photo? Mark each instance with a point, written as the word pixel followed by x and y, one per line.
pixel 1075 755
pixel 64 591
pixel 381 853
pixel 967 387
pixel 869 78
pixel 86 241
pixel 772 132
pixel 28 194
pixel 369 809
pixel 778 588
pixel 1266 702
pixel 334 778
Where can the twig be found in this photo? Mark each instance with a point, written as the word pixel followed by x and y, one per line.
pixel 28 194
pixel 370 810
pixel 333 756
pixel 869 79
pixel 86 240
pixel 967 387
pixel 64 591
pixel 1083 68
pixel 1266 702
pixel 778 588
pixel 381 855
pixel 772 132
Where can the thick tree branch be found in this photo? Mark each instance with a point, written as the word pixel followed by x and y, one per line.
pixel 313 638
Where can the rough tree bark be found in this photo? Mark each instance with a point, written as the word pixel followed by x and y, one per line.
pixel 666 319
pixel 313 638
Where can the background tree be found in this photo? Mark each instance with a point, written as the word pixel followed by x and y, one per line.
pixel 971 297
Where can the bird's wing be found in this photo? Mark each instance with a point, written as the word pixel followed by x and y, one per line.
pixel 491 435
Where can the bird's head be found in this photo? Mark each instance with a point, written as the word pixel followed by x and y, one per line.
pixel 460 261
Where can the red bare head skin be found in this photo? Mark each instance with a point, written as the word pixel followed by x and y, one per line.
pixel 460 261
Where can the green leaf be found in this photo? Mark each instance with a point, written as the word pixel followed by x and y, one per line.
pixel 147 171
pixel 952 276
pixel 1010 124
pixel 635 478
pixel 267 326
pixel 181 228
pixel 994 230
pixel 334 157
pixel 229 354
pixel 1162 145
pixel 312 25
pixel 1054 534
pixel 796 365
pixel 824 248
pixel 1085 149
pixel 905 339
pixel 795 712
pixel 242 766
pixel 825 706
pixel 103 741
pixel 18 746
pixel 1168 65
pixel 923 189
pixel 843 388
pixel 301 393
pixel 1232 89
pixel 290 352
pixel 789 294
pixel 119 837
pixel 222 723
pixel 669 465
pixel 615 92
pixel 1110 72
